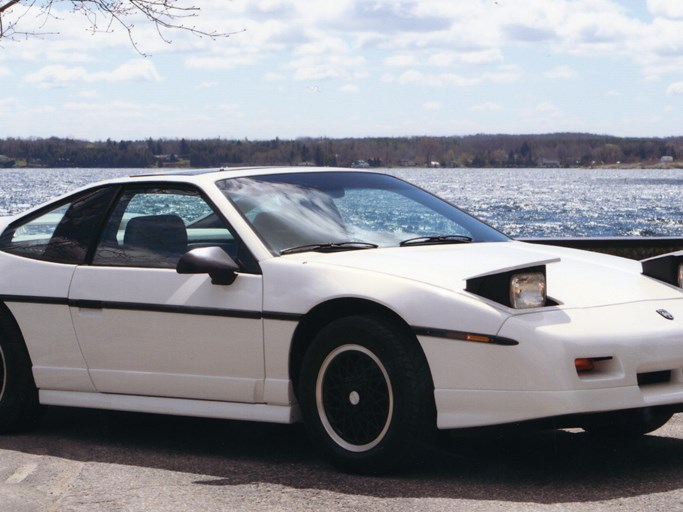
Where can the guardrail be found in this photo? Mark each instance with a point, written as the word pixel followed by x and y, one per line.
pixel 636 248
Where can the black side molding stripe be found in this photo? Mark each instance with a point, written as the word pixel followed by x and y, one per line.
pixel 471 337
pixel 158 308
pixel 167 308
pixel 29 299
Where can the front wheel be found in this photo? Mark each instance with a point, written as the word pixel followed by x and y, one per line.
pixel 366 394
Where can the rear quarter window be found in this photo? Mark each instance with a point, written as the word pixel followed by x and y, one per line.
pixel 62 233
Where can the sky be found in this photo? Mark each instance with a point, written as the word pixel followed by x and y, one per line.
pixel 351 68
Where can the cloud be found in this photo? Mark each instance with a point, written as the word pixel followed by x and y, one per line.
pixel 89 94
pixel 57 75
pixel 274 77
pixel 665 8
pixel 662 41
pixel 229 107
pixel 504 74
pixel 432 105
pixel 402 60
pixel 323 11
pixel 209 84
pixel 546 108
pixel 437 33
pixel 140 70
pixel 414 77
pixel 321 67
pixel 112 109
pixel 221 62
pixel 561 73
pixel 447 59
pixel 658 66
pixel 123 105
pixel 349 89
pixel 5 102
pixel 321 44
pixel 486 106
pixel 528 33
pixel 495 49
pixel 675 89
pixel 389 17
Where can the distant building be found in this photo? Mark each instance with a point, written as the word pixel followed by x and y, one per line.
pixel 360 164
pixel 666 159
pixel 548 162
pixel 165 158
pixel 6 161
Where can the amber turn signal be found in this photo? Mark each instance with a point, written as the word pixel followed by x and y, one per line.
pixel 478 337
pixel 584 364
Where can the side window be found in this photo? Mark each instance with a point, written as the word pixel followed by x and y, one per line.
pixel 62 234
pixel 154 227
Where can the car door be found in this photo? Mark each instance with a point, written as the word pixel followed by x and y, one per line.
pixel 146 330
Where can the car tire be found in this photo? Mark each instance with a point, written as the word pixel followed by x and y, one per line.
pixel 366 395
pixel 629 423
pixel 19 405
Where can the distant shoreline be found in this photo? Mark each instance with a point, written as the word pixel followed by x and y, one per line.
pixel 643 166
pixel 563 150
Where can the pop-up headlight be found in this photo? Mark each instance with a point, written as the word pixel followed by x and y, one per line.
pixel 667 268
pixel 521 288
pixel 527 290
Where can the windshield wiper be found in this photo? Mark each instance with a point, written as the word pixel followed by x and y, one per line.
pixel 439 239
pixel 330 247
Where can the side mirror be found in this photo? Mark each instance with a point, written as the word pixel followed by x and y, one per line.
pixel 209 260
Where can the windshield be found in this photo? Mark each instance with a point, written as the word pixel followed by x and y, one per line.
pixel 302 209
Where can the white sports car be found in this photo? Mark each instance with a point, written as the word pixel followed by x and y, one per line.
pixel 369 309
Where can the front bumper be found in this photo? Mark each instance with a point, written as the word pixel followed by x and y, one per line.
pixel 470 408
pixel 640 353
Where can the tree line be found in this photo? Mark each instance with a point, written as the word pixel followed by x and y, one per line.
pixel 483 150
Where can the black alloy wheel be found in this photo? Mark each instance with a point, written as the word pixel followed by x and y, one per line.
pixel 366 394
pixel 354 398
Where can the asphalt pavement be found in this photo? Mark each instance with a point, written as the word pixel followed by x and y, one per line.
pixel 101 461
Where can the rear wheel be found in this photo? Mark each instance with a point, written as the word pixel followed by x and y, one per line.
pixel 629 423
pixel 19 406
pixel 366 394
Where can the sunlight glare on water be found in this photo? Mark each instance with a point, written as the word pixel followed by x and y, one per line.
pixel 519 202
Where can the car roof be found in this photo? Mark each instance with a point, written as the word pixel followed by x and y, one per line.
pixel 234 172
pixel 196 172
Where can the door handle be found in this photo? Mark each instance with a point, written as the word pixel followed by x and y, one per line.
pixel 87 304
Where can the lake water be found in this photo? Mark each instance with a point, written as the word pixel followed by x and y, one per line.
pixel 519 202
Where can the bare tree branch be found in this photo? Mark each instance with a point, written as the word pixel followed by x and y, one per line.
pixel 103 15
pixel 3 8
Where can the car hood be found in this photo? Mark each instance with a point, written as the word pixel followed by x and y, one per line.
pixel 574 278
